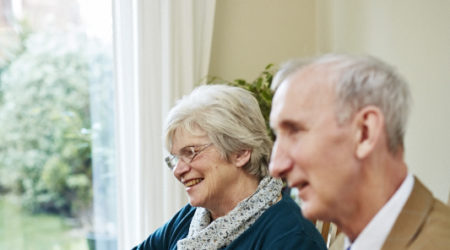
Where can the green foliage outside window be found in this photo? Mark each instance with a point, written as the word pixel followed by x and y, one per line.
pixel 45 132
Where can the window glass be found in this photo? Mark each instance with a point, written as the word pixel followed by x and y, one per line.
pixel 57 174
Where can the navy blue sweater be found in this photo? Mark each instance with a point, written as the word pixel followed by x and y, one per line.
pixel 280 227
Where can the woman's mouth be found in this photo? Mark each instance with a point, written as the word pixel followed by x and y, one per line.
pixel 192 182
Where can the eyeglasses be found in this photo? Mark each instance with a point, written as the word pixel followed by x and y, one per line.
pixel 187 155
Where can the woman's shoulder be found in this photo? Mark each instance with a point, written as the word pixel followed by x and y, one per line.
pixel 167 236
pixel 286 211
pixel 186 211
pixel 182 217
pixel 282 226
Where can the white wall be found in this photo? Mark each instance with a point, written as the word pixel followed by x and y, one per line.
pixel 413 35
pixel 249 34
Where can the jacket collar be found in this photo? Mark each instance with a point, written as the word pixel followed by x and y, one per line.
pixel 411 218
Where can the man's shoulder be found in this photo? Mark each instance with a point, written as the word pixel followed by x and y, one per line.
pixel 424 222
pixel 432 209
pixel 435 231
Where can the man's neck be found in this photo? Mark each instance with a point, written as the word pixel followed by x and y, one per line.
pixel 379 183
pixel 377 230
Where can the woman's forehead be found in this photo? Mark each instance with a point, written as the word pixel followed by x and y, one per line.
pixel 182 138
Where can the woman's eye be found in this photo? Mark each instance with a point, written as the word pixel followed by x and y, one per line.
pixel 189 152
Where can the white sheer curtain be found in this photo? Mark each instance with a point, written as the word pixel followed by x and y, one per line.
pixel 162 50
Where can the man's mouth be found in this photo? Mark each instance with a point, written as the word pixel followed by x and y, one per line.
pixel 192 182
pixel 302 185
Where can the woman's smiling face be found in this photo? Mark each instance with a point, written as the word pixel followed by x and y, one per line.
pixel 208 176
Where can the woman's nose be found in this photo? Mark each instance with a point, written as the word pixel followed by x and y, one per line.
pixel 181 168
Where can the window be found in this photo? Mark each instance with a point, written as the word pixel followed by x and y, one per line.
pixel 57 177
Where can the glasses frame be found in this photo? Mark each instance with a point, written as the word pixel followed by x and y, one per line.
pixel 172 160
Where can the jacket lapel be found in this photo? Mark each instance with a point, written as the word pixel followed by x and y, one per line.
pixel 411 218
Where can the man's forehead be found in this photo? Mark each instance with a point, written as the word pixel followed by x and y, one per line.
pixel 307 80
pixel 283 103
pixel 308 88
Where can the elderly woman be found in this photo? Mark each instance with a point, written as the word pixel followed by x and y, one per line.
pixel 220 151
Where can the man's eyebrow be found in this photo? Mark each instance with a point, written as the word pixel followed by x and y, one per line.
pixel 291 124
pixel 283 124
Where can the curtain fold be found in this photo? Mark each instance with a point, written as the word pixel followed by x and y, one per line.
pixel 162 50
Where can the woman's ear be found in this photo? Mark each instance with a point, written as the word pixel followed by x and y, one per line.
pixel 242 157
pixel 369 130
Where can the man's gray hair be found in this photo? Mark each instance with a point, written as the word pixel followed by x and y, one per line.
pixel 231 118
pixel 361 81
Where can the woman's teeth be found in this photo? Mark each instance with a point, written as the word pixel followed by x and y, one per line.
pixel 192 182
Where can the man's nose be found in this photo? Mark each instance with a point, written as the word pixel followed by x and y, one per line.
pixel 280 163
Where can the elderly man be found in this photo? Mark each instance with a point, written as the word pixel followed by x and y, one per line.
pixel 340 122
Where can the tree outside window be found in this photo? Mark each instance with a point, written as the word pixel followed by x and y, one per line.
pixel 56 133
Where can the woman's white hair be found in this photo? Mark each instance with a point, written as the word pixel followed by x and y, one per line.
pixel 231 118
pixel 361 81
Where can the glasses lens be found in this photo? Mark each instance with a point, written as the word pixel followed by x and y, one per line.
pixel 171 161
pixel 187 155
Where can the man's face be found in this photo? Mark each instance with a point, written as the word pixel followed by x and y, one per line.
pixel 312 151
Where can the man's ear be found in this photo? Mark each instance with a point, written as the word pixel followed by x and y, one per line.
pixel 369 130
pixel 242 157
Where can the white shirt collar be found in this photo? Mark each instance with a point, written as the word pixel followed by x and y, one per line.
pixel 376 232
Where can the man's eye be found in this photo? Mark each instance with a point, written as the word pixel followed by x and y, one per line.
pixel 292 130
pixel 288 130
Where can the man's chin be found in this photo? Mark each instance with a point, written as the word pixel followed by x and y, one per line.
pixel 309 212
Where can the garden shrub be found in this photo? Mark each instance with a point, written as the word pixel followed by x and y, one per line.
pixel 45 132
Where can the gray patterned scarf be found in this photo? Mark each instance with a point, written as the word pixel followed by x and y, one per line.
pixel 207 235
